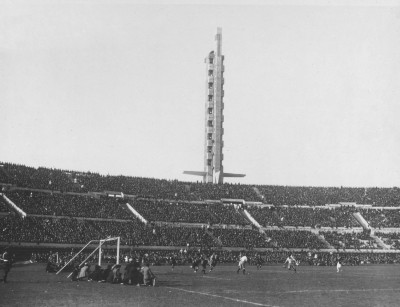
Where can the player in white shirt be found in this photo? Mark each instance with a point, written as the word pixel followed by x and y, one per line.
pixel 291 261
pixel 242 264
pixel 213 261
pixel 338 264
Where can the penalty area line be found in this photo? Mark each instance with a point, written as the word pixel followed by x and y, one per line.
pixel 223 297
pixel 337 290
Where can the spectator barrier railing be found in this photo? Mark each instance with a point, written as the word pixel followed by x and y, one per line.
pixel 137 214
pixel 14 206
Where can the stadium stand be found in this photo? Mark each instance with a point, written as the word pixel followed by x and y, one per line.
pixel 66 209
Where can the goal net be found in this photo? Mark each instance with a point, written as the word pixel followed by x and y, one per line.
pixel 100 244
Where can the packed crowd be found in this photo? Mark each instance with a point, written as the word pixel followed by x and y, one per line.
pixel 81 231
pixel 49 229
pixel 310 196
pixel 292 239
pixel 246 238
pixel 65 180
pixel 76 218
pixel 392 239
pixel 355 240
pixel 3 207
pixel 319 196
pixel 82 205
pixel 44 230
pixel 270 239
pixel 228 214
pixel 61 204
pixel 159 210
pixel 379 218
pixel 72 181
pixel 311 217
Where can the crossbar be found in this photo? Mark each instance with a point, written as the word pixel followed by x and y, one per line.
pixel 101 242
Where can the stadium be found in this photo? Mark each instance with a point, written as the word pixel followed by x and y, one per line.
pixel 50 213
pixel 96 208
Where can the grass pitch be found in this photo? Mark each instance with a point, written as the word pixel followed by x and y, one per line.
pixel 377 285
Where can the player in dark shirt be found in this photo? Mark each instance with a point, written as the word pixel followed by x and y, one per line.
pixel 173 262
pixel 6 261
pixel 195 264
pixel 204 263
pixel 259 262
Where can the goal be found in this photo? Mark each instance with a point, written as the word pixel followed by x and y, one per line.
pixel 99 243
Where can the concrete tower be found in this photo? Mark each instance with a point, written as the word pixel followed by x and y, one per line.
pixel 214 118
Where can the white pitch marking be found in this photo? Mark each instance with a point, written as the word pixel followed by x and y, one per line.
pixel 224 297
pixel 339 290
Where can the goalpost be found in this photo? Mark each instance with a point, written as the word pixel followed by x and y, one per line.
pixel 99 248
pixel 106 240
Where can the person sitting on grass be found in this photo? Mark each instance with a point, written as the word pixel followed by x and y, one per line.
pixel 75 273
pixel 83 273
pixel 96 275
pixel 129 272
pixel 52 265
pixel 108 274
pixel 149 279
pixel 117 276
pixel 136 274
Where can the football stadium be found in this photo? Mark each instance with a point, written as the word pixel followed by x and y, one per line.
pixel 139 168
pixel 50 216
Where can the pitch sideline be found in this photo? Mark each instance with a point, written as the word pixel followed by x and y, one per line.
pixel 223 297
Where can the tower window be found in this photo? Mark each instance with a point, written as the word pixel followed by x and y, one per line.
pixel 209 162
pixel 211 60
pixel 210 72
pixel 209 136
pixel 210 97
pixel 210 110
pixel 210 85
pixel 209 149
pixel 210 123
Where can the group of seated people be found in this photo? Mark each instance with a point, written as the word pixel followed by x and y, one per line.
pixel 81 182
pixel 134 273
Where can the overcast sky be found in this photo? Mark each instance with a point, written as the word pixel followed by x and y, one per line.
pixel 312 88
